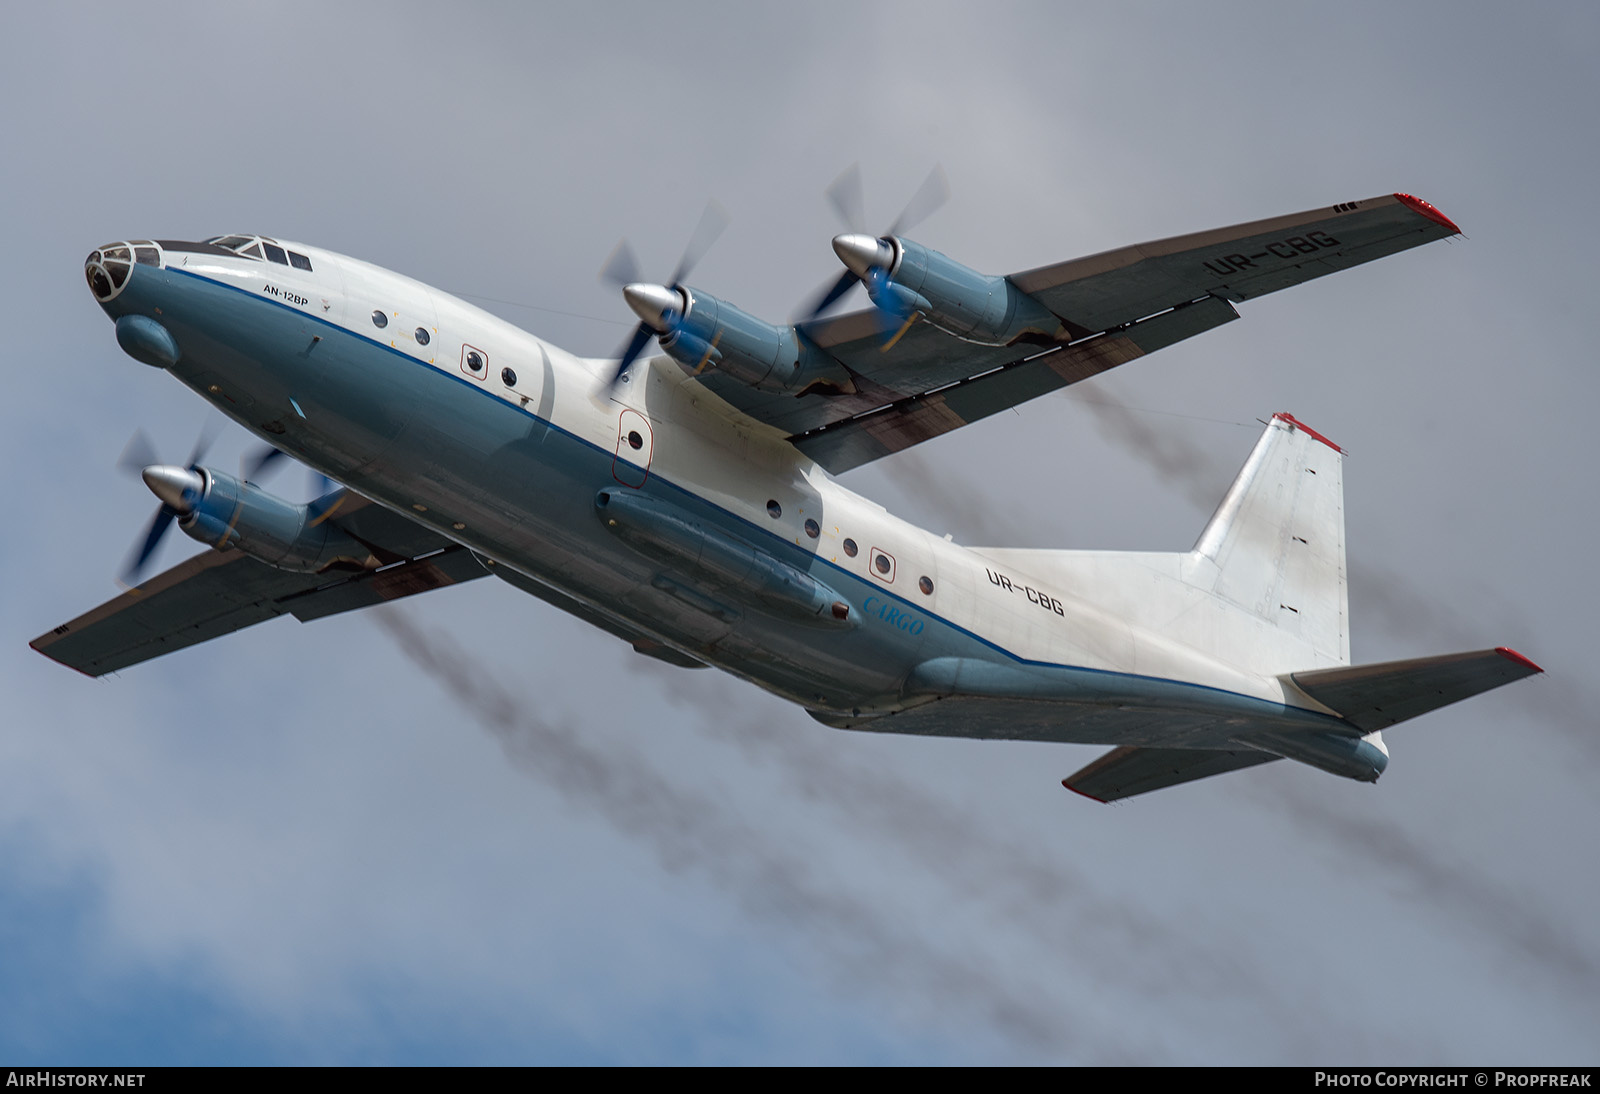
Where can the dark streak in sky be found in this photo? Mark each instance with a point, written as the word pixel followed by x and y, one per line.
pixel 1394 604
pixel 689 830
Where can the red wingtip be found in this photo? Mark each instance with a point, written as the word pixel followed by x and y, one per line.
pixel 1420 206
pixel 1081 794
pixel 1513 655
pixel 1298 424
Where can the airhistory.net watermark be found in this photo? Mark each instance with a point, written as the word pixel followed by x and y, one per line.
pixel 48 1078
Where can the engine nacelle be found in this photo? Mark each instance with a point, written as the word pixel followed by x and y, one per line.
pixel 701 332
pixel 903 277
pixel 232 513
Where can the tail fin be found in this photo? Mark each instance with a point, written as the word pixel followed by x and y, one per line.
pixel 1277 540
pixel 1263 588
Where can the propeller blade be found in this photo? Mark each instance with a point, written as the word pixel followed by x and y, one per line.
pixel 826 298
pixel 138 454
pixel 320 507
pixel 893 318
pixel 846 196
pixel 202 444
pixel 622 268
pixel 636 344
pixel 163 520
pixel 251 466
pixel 892 326
pixel 713 222
pixel 935 191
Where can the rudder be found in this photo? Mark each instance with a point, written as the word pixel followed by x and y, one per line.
pixel 1277 539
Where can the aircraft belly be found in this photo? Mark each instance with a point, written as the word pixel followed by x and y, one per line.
pixel 1065 723
pixel 524 494
pixel 1091 721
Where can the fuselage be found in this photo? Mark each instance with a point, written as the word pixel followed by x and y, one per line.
pixel 503 442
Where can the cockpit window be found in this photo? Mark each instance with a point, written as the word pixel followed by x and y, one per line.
pixel 261 248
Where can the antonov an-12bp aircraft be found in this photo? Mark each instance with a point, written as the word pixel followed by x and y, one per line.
pixel 685 503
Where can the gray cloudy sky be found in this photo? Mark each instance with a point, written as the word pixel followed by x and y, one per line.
pixel 341 843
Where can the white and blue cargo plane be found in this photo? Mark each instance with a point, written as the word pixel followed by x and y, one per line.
pixel 683 501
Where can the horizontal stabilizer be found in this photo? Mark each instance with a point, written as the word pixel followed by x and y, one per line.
pixel 1124 772
pixel 1373 697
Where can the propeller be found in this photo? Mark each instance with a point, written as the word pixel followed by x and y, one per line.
pixel 177 487
pixel 845 195
pixel 658 306
pixel 252 465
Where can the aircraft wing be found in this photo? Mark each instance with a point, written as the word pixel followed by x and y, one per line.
pixel 1117 306
pixel 219 592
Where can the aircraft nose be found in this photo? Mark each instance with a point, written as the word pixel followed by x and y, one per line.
pixel 179 488
pixel 658 306
pixel 861 253
pixel 108 268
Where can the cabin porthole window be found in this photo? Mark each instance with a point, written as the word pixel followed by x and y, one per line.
pixel 882 563
pixel 774 510
pixel 474 361
pixel 422 336
pixel 925 583
pixel 812 528
pixel 379 319
pixel 508 377
pixel 850 547
pixel 635 441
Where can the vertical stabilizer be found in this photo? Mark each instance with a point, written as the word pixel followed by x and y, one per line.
pixel 1277 539
pixel 1263 589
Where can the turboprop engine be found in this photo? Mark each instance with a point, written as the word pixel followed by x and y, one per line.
pixel 904 278
pixel 221 511
pixel 700 331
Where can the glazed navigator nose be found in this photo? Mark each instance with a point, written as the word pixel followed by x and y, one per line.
pixel 108 268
